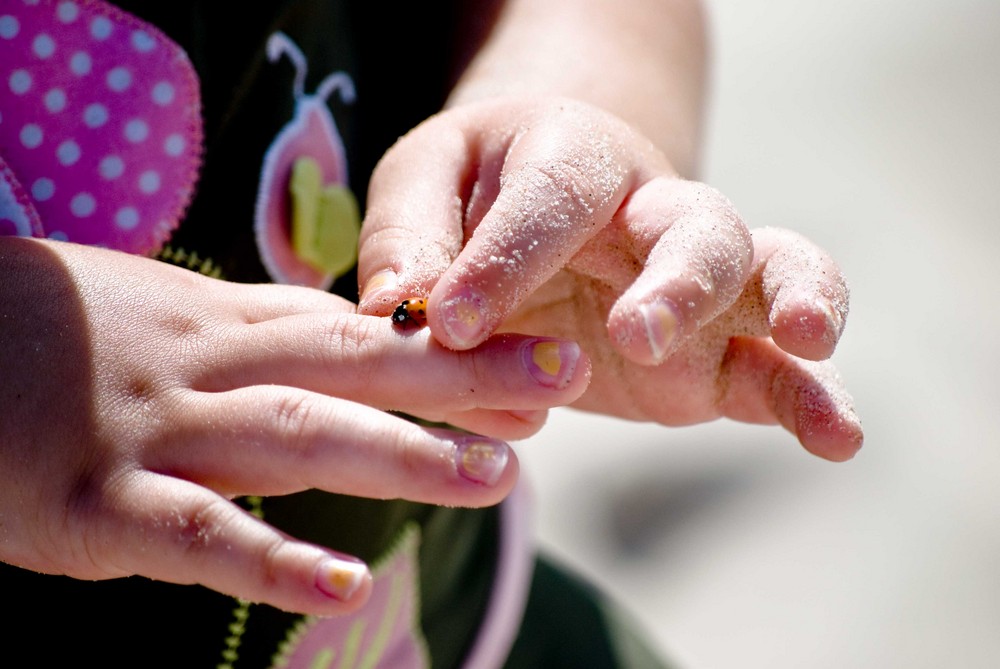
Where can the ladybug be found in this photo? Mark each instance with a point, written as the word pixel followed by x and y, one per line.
pixel 411 312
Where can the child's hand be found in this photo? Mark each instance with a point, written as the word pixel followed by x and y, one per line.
pixel 139 398
pixel 552 217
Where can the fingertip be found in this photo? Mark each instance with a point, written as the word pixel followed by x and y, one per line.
pixel 839 441
pixel 645 333
pixel 524 424
pixel 379 293
pixel 809 399
pixel 501 424
pixel 807 328
pixel 557 364
pixel 484 461
pixel 460 319
pixel 819 410
pixel 308 579
pixel 345 580
pixel 806 293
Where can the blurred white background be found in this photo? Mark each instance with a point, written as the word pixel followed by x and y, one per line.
pixel 873 128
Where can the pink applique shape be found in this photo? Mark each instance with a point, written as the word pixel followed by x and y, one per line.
pixel 100 124
pixel 17 215
pixel 384 634
pixel 313 133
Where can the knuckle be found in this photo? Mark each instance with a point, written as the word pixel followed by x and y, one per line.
pixel 412 455
pixel 270 562
pixel 383 235
pixel 195 528
pixel 87 499
pixel 710 199
pixel 564 185
pixel 293 414
pixel 351 349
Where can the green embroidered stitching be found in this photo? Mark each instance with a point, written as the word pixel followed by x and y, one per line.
pixel 192 261
pixel 242 611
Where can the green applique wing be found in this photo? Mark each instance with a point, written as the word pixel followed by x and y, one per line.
pixel 385 634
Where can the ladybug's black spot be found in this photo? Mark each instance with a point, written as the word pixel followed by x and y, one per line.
pixel 400 315
pixel 411 311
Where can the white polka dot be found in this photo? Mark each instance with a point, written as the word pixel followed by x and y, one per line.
pixel 119 79
pixel 136 130
pixel 95 115
pixel 9 26
pixel 68 152
pixel 149 182
pixel 20 82
pixel 43 46
pixel 142 41
pixel 127 218
pixel 67 12
pixel 31 136
pixel 163 93
pixel 79 63
pixel 43 189
pixel 59 236
pixel 82 205
pixel 173 145
pixel 111 167
pixel 100 28
pixel 55 100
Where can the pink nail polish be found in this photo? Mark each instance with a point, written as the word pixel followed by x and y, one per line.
pixel 480 459
pixel 660 321
pixel 551 362
pixel 463 317
pixel 340 578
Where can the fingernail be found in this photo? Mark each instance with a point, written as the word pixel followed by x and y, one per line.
pixel 481 460
pixel 660 321
pixel 463 318
pixel 834 321
pixel 341 578
pixel 551 362
pixel 382 281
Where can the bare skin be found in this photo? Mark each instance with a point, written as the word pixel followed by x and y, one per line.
pixel 560 197
pixel 556 218
pixel 163 394
pixel 139 398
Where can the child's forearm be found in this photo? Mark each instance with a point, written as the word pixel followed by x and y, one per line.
pixel 643 60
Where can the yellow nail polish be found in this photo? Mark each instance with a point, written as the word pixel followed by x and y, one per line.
pixel 340 578
pixel 551 362
pixel 481 460
pixel 545 355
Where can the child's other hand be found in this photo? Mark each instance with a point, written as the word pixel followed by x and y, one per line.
pixel 140 398
pixel 552 217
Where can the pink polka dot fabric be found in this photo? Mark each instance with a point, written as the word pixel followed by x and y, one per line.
pixel 100 125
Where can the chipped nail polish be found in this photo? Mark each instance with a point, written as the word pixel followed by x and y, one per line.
pixel 660 322
pixel 341 578
pixel 463 317
pixel 551 362
pixel 480 459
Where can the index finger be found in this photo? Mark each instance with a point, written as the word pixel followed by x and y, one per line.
pixel 521 202
pixel 558 188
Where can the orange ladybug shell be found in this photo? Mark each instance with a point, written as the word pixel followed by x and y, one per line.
pixel 412 311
